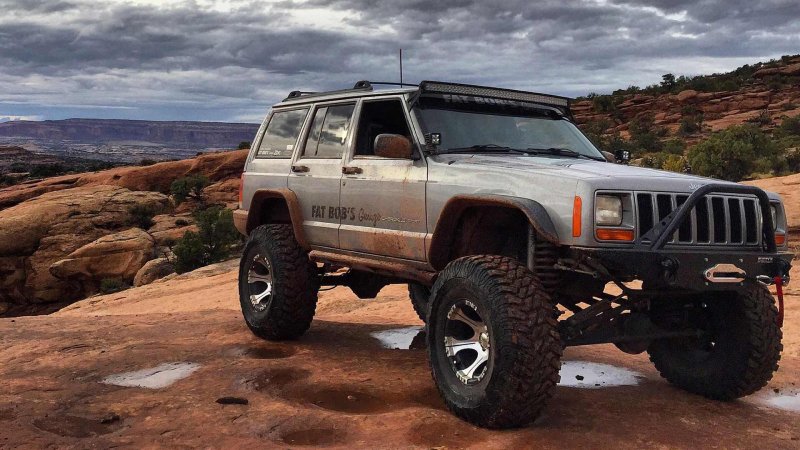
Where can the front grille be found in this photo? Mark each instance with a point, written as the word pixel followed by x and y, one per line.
pixel 715 220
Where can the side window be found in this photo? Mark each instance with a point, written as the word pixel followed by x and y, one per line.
pixel 281 134
pixel 329 131
pixel 379 117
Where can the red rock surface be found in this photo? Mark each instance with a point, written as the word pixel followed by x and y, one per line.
pixel 336 387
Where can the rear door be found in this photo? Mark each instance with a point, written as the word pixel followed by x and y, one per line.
pixel 383 199
pixel 316 172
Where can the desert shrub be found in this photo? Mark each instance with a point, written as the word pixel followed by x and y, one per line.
pixel 18 167
pixel 674 163
pixel 214 241
pixel 46 170
pixel 147 162
pixel 763 118
pixel 788 106
pixel 675 146
pixel 142 215
pixel 790 126
pixel 189 187
pixel 654 160
pixel 645 135
pixel 243 145
pixel 111 285
pixel 731 154
pixel 181 222
pixel 6 180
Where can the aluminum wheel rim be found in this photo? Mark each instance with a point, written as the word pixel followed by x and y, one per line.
pixel 467 342
pixel 259 282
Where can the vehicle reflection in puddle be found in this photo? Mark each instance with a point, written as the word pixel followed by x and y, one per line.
pixel 401 338
pixel 157 377
pixel 591 375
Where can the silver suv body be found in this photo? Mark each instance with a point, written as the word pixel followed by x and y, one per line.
pixel 399 184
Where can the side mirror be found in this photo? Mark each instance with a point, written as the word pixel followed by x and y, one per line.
pixel 609 156
pixel 393 146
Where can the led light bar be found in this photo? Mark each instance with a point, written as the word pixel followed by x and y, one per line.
pixel 438 87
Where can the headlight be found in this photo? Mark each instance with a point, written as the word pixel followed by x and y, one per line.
pixel 608 210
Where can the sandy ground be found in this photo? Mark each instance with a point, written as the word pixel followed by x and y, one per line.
pixel 338 386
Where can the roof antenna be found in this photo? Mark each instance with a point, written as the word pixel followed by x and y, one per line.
pixel 401 66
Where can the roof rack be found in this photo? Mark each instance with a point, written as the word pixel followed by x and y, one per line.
pixel 363 85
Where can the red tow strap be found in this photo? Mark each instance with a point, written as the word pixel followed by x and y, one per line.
pixel 779 289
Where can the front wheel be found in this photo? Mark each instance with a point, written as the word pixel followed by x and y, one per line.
pixel 278 284
pixel 738 349
pixel 493 343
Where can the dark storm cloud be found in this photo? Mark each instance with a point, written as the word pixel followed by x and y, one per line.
pixel 190 60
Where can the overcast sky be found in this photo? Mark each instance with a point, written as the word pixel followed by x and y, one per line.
pixel 228 60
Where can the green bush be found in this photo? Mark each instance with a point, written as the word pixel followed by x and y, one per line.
pixel 732 154
pixel 147 162
pixel 645 135
pixel 243 145
pixel 214 241
pixel 111 285
pixel 189 187
pixel 674 163
pixel 675 146
pixel 46 170
pixel 788 106
pixel 142 215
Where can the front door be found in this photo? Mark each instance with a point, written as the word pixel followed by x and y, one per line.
pixel 383 199
pixel 317 172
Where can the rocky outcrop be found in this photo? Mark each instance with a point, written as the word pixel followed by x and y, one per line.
pixel 42 231
pixel 118 255
pixel 153 270
pixel 157 177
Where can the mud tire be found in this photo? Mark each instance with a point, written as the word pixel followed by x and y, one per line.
pixel 747 348
pixel 295 284
pixel 420 296
pixel 525 347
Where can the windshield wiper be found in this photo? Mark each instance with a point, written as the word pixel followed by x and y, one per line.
pixel 483 148
pixel 560 152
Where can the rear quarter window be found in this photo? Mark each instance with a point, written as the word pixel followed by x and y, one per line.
pixel 281 134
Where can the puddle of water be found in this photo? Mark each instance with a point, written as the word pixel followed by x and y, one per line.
pixel 155 377
pixel 399 338
pixel 784 399
pixel 591 375
pixel 73 426
pixel 342 400
pixel 260 352
pixel 313 436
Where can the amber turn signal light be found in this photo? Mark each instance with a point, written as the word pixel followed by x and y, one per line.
pixel 607 234
pixel 577 207
pixel 780 238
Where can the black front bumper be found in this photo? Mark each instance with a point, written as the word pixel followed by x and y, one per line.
pixel 661 265
pixel 686 269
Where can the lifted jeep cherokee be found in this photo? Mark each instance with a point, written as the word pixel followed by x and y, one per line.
pixel 516 236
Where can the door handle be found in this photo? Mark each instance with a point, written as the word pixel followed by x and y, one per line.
pixel 351 170
pixel 300 169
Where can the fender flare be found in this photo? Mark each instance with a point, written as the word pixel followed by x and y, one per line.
pixel 442 239
pixel 258 208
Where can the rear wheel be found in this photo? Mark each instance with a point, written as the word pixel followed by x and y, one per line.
pixel 738 350
pixel 420 295
pixel 493 343
pixel 278 284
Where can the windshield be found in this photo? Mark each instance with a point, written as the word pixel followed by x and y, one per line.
pixel 495 128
